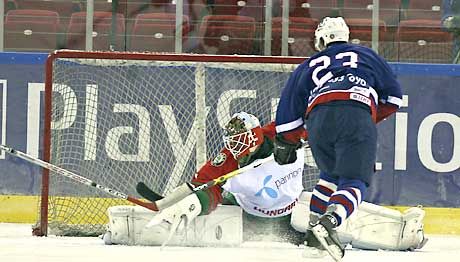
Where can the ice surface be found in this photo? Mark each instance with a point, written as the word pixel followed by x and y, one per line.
pixel 18 245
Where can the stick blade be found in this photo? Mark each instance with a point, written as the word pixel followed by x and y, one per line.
pixel 147 193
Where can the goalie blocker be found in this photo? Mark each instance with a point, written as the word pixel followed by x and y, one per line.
pixel 373 227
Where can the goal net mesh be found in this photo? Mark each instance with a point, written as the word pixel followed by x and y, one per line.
pixel 119 121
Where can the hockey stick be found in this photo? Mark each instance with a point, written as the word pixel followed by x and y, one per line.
pixel 77 178
pixel 183 192
pixel 151 195
pixel 147 193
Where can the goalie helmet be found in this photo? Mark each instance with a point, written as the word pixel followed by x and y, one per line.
pixel 331 29
pixel 243 135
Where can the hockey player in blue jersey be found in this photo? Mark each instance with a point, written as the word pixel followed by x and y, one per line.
pixel 340 93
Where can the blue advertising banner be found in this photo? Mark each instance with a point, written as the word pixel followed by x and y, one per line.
pixel 419 147
pixel 18 72
pixel 418 154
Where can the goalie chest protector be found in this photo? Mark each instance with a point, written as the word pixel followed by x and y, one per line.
pixel 270 190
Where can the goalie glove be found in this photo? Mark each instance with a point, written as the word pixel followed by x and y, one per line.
pixel 284 151
pixel 179 215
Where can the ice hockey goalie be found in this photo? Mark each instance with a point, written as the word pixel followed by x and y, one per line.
pixel 263 203
pixel 373 227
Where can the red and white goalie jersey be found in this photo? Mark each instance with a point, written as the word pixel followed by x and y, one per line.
pixel 269 190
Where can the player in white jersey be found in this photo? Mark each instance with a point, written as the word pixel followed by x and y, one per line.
pixel 272 199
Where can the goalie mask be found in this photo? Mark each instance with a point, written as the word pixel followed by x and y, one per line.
pixel 243 135
pixel 331 29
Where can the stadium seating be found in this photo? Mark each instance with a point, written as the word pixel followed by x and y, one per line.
pixel 227 34
pixel 250 8
pixel 301 35
pixel 316 9
pixel 409 30
pixel 361 30
pixel 361 33
pixel 31 30
pixel 424 41
pixel 130 8
pixel 106 6
pixel 389 10
pixel 227 7
pixel 156 32
pixel 102 27
pixel 255 9
pixel 63 8
pixel 426 9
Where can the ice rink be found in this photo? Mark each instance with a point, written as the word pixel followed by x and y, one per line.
pixel 18 245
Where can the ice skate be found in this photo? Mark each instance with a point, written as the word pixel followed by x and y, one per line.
pixel 313 248
pixel 324 230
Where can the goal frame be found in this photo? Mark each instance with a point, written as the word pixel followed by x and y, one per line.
pixel 41 229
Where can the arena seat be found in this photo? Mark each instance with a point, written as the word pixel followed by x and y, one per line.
pixel 426 9
pixel 102 26
pixel 156 32
pixel 227 7
pixel 227 34
pixel 361 33
pixel 361 29
pixel 31 30
pixel 301 35
pixel 316 9
pixel 389 10
pixel 424 41
pixel 132 8
pixel 359 14
pixel 63 8
pixel 106 6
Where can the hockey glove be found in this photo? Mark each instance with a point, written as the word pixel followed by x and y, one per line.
pixel 178 215
pixel 284 151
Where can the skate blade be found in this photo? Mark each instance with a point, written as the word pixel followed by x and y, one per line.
pixel 321 234
pixel 313 252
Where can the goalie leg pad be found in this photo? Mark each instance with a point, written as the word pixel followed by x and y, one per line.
pixel 127 226
pixel 375 227
pixel 413 236
pixel 300 216
pixel 371 227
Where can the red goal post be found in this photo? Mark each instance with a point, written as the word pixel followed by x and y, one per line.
pixel 118 118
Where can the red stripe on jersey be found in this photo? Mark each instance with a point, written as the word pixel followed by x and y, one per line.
pixel 339 96
pixel 294 136
pixel 384 110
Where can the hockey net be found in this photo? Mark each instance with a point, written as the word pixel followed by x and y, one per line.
pixel 121 118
